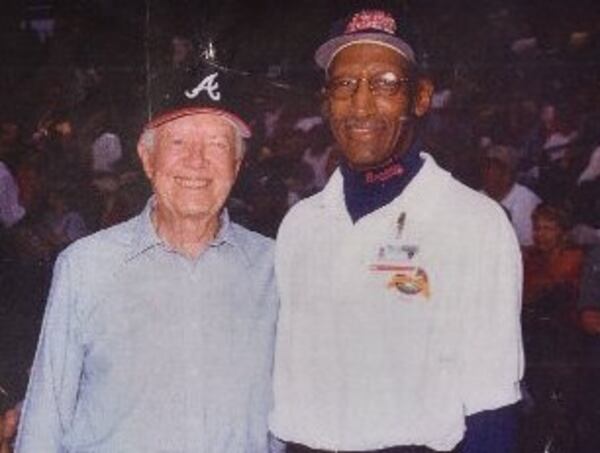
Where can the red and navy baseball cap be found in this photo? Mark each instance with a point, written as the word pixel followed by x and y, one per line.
pixel 366 26
pixel 203 87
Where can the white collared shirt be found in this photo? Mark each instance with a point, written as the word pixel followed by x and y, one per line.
pixel 393 329
pixel 144 350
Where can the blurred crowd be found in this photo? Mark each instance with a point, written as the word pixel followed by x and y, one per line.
pixel 521 124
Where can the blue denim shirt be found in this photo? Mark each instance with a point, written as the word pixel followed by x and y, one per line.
pixel 145 350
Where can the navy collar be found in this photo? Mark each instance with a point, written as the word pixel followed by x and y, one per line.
pixel 368 190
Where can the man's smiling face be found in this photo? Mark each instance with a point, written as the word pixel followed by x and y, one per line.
pixel 192 163
pixel 376 119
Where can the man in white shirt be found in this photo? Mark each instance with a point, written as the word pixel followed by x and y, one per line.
pixel 400 287
pixel 499 182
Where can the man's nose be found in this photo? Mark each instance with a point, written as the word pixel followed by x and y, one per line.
pixel 196 156
pixel 363 100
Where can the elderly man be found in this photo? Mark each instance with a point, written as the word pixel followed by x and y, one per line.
pixel 400 288
pixel 158 334
pixel 498 174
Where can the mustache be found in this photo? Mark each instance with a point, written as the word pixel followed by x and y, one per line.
pixel 370 122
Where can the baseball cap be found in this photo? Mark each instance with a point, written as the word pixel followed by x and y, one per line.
pixel 366 26
pixel 201 88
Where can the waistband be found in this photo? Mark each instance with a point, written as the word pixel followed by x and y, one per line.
pixel 298 448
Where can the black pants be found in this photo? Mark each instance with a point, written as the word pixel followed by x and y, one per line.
pixel 297 448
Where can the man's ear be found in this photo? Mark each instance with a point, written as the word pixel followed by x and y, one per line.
pixel 146 157
pixel 238 166
pixel 325 106
pixel 423 94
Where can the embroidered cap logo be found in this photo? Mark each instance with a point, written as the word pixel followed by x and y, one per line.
pixel 208 84
pixel 372 19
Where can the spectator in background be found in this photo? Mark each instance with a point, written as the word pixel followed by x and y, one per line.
pixel 589 299
pixel 556 146
pixel 11 210
pixel 62 150
pixel 55 226
pixel 558 169
pixel 552 273
pixel 106 152
pixel 300 183
pixel 591 172
pixel 10 143
pixel 547 124
pixel 269 204
pixel 63 224
pixel 551 262
pixel 32 181
pixel 586 198
pixel 317 155
pixel 499 182
pixel 111 207
pixel 271 117
pixel 589 309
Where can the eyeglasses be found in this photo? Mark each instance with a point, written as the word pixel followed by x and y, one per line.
pixel 386 84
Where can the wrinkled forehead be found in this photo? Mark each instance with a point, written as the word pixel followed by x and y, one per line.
pixel 365 55
pixel 198 126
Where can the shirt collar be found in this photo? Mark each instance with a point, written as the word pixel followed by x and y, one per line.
pixel 394 168
pixel 146 237
pixel 144 233
pixel 332 195
pixel 366 191
pixel 228 234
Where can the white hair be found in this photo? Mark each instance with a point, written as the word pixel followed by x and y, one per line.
pixel 240 144
pixel 147 139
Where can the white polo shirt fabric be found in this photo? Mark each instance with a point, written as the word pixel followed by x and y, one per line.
pixel 393 329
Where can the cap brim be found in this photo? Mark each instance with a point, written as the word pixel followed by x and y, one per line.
pixel 171 115
pixel 327 51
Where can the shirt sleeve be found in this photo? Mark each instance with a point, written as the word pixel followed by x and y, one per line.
pixel 52 391
pixel 491 351
pixel 492 431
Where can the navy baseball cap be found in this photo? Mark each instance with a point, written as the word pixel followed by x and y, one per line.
pixel 202 88
pixel 366 26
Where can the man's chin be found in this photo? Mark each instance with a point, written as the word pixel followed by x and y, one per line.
pixel 367 158
pixel 198 213
pixel 193 212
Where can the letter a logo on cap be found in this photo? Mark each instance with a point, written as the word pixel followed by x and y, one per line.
pixel 208 84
